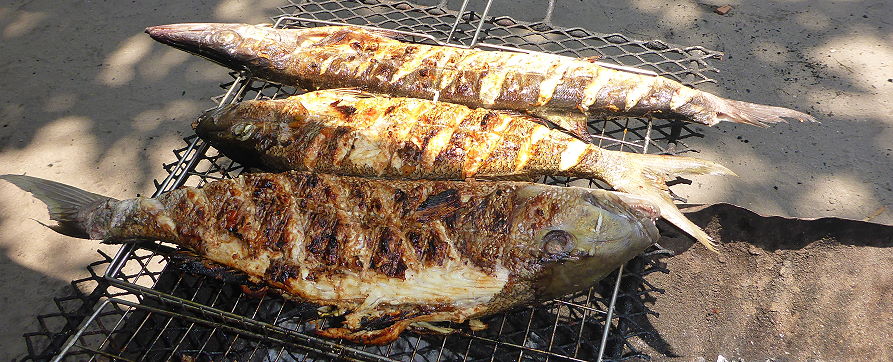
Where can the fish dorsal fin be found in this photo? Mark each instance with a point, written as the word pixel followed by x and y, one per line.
pixel 351 35
pixel 385 33
pixel 353 92
pixel 572 123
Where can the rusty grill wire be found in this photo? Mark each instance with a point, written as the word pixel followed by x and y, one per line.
pixel 144 308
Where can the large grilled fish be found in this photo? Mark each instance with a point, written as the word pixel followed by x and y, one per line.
pixel 360 134
pixel 384 253
pixel 562 89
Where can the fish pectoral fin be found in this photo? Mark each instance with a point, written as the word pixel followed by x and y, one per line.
pixel 573 123
pixel 646 176
pixel 372 336
pixel 431 328
pixel 476 324
pixel 327 311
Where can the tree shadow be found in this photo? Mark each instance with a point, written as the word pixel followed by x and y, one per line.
pixel 90 99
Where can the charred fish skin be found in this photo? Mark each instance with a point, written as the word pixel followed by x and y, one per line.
pixel 381 250
pixel 356 133
pixel 551 86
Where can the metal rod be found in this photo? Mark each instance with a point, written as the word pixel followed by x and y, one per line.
pixel 73 339
pixel 458 20
pixel 124 252
pixel 582 323
pixel 183 169
pixel 607 328
pixel 548 18
pixel 477 31
pixel 474 41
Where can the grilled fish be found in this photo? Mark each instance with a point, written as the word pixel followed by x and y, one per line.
pixel 385 254
pixel 562 89
pixel 349 132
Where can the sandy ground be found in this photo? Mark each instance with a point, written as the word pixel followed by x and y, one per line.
pixel 87 99
pixel 781 289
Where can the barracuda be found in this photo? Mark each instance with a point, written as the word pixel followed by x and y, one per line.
pixel 385 254
pixel 562 89
pixel 355 133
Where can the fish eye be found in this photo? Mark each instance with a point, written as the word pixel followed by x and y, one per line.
pixel 227 37
pixel 558 241
pixel 243 130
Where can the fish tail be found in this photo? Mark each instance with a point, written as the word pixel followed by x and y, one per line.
pixel 66 204
pixel 751 113
pixel 646 176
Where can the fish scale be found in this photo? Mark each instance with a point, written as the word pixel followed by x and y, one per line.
pixel 399 252
pixel 565 90
pixel 422 139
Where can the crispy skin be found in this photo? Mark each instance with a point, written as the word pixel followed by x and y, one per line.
pixel 349 132
pixel 327 219
pixel 387 253
pixel 563 89
pixel 304 232
pixel 394 137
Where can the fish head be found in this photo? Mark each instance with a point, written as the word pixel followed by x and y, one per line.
pixel 583 234
pixel 244 131
pixel 237 46
pixel 257 48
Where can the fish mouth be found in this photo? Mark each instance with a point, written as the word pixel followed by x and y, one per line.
pixel 640 206
pixel 195 38
pixel 644 210
pixel 211 122
pixel 179 35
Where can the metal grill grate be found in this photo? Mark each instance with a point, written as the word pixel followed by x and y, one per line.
pixel 145 309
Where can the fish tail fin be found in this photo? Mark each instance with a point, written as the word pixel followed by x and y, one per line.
pixel 65 203
pixel 753 114
pixel 646 176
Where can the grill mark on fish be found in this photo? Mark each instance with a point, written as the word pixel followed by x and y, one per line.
pixel 487 136
pixel 449 141
pixel 231 211
pixel 512 153
pixel 438 206
pixel 387 257
pixel 355 57
pixel 302 153
pixel 281 271
pixel 270 198
pixel 335 147
pixel 185 205
pixel 345 110
pixel 429 246
pixel 323 244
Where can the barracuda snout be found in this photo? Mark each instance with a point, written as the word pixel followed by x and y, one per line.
pixel 224 44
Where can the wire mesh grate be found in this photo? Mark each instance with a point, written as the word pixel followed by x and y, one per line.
pixel 146 307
